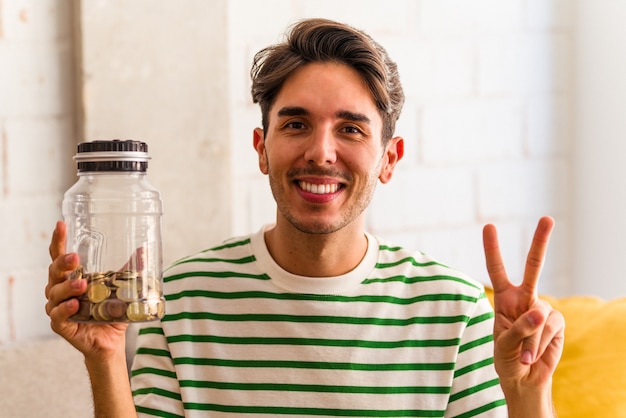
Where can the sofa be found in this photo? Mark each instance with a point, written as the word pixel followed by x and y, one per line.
pixel 590 380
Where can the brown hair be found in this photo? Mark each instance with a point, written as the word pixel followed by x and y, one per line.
pixel 322 40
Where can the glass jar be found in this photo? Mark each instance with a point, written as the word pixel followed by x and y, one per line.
pixel 113 216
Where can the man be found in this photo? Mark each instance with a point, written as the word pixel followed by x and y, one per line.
pixel 312 316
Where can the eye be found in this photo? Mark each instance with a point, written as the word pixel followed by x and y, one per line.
pixel 350 129
pixel 296 125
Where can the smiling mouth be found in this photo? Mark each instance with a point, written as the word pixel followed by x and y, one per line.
pixel 319 188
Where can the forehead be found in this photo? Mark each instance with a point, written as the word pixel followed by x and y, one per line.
pixel 326 88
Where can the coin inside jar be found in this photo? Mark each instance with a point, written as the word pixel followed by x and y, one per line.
pixel 119 296
pixel 112 309
pixel 138 311
pixel 97 292
pixel 127 291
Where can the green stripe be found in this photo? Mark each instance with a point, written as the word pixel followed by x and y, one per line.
pixel 288 387
pixel 152 370
pixel 314 364
pixel 482 409
pixel 217 274
pixel 278 410
pixel 328 298
pixel 484 340
pixel 316 319
pixel 481 318
pixel 151 330
pixel 409 260
pixel 420 279
pixel 153 352
pixel 156 412
pixel 229 245
pixel 218 248
pixel 310 341
pixel 243 260
pixel 474 366
pixel 384 247
pixel 158 391
pixel 469 391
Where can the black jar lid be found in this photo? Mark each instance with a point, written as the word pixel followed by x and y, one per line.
pixel 112 155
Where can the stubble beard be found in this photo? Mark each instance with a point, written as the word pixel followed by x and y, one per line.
pixel 316 226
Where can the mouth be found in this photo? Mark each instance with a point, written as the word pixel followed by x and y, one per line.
pixel 319 188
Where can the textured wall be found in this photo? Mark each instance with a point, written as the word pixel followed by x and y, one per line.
pixel 36 137
pixel 161 77
pixel 487 126
pixel 486 122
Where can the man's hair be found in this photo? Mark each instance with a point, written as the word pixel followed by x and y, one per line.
pixel 322 40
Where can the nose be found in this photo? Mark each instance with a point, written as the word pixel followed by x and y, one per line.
pixel 321 148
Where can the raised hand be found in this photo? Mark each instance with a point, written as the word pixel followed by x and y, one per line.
pixel 528 332
pixel 93 340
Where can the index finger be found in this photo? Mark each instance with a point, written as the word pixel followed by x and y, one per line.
pixel 60 265
pixel 493 259
pixel 537 253
pixel 57 243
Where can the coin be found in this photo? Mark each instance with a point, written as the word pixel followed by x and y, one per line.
pixel 98 314
pixel 119 296
pixel 76 274
pixel 127 274
pixel 97 292
pixel 112 309
pixel 96 277
pixel 137 311
pixel 127 291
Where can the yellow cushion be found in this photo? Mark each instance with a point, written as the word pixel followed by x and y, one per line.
pixel 590 380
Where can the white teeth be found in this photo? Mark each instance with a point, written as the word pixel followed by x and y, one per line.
pixel 319 188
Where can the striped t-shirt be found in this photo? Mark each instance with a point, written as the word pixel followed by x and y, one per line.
pixel 399 336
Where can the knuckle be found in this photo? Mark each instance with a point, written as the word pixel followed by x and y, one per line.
pixel 495 268
pixel 534 262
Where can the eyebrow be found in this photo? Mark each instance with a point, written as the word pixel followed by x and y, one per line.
pixel 354 117
pixel 293 111
pixel 342 114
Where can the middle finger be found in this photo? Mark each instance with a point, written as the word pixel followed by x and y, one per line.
pixel 63 291
pixel 59 270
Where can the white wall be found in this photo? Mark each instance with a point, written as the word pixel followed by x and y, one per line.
pixel 599 186
pixel 37 119
pixel 487 123
pixel 161 77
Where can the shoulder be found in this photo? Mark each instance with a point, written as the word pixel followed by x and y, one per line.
pixel 232 253
pixel 229 248
pixel 419 268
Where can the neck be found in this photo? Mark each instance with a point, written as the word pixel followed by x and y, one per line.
pixel 316 255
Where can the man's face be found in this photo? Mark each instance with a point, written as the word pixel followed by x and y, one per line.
pixel 323 150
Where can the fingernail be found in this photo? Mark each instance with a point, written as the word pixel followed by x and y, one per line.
pixel 527 357
pixel 69 258
pixel 76 284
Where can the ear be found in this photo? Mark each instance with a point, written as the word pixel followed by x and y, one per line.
pixel 258 140
pixel 393 153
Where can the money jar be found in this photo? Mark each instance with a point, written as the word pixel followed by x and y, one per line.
pixel 113 217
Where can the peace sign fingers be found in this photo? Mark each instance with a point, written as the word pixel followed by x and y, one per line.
pixel 493 258
pixel 534 261
pixel 537 253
